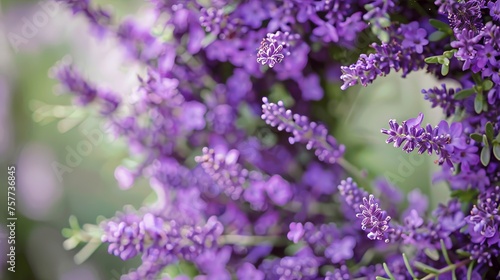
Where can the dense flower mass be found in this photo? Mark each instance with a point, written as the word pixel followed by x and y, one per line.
pixel 247 188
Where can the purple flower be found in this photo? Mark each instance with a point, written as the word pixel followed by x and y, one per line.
pixel 442 139
pixel 326 31
pixel 253 13
pixel 270 53
pixel 314 135
pixel 215 21
pixel 417 202
pixel 193 115
pixel 319 179
pixel 484 219
pixel 99 18
pixel 443 98
pixel 279 190
pixel 468 46
pixel 213 263
pixel 463 15
pixel 386 189
pixel 238 86
pixel 255 194
pixel 414 37
pixel 400 53
pixel 413 220
pixel 266 223
pixel 85 92
pixel 351 193
pixel 296 232
pixel 351 27
pixel 339 274
pixel 124 177
pixel 450 216
pixel 467 157
pixel 225 171
pixel 296 268
pixel 311 87
pixel 341 250
pixel 494 10
pixel 247 271
pixel 156 237
pixel 482 253
pixel 374 220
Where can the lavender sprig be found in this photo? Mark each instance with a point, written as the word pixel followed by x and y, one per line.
pixel 159 238
pixel 225 171
pixel 441 139
pixel 314 135
pixel 375 221
pixel 85 92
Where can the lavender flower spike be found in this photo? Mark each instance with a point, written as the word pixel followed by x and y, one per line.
pixel 375 220
pixel 442 139
pixel 225 171
pixel 314 135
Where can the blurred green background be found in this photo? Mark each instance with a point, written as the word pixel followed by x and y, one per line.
pixel 39 128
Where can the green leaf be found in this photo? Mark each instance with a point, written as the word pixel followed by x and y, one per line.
pixel 369 7
pixel 485 141
pixel 209 39
pixel 381 34
pixel 445 252
pixel 445 69
pixel 465 195
pixel 73 223
pixel 441 26
pixel 464 93
pixel 229 9
pixel 381 278
pixel 384 22
pixel 425 268
pixel 463 253
pixel 489 131
pixel 432 254
pixel 487 84
pixel 431 59
pixel 391 277
pixel 469 271
pixel 485 155
pixel 477 137
pixel 408 266
pixel 478 103
pixel 437 36
pixel 496 150
pixel 449 54
pixel 67 232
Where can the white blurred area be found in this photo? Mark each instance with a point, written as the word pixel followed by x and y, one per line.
pixel 99 59
pixel 38 190
pixel 51 254
pixel 42 201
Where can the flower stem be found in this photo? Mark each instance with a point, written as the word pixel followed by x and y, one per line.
pixel 446 269
pixel 251 240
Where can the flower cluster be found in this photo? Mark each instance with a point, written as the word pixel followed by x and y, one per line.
pixel 445 140
pixel 155 237
pixel 404 52
pixel 237 199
